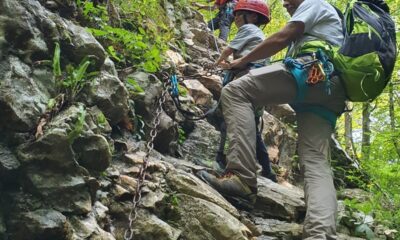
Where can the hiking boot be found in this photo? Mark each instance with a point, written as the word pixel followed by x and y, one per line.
pixel 232 188
pixel 270 175
pixel 210 165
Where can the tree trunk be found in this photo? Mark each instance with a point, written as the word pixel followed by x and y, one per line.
pixel 393 120
pixel 366 130
pixel 348 135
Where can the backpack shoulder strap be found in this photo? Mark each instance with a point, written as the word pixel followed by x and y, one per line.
pixel 379 3
pixel 339 13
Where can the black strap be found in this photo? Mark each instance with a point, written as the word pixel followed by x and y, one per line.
pixel 379 3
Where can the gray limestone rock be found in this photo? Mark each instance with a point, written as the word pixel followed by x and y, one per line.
pixel 63 191
pixel 146 105
pixel 92 152
pixel 39 224
pixel 187 183
pixel 279 229
pixel 148 227
pixel 21 101
pixel 8 165
pixel 53 150
pixel 88 228
pixel 83 44
pixel 203 220
pixel 109 94
pixel 279 201
pixel 201 145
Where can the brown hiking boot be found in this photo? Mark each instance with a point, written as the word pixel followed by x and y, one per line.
pixel 232 188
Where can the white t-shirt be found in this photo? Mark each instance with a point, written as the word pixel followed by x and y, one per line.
pixel 246 39
pixel 321 22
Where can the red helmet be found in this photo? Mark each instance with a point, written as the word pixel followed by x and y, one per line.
pixel 257 6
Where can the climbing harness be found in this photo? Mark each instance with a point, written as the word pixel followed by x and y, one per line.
pixel 318 69
pixel 128 234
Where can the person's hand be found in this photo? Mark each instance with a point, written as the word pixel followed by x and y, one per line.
pixel 237 63
pixel 224 64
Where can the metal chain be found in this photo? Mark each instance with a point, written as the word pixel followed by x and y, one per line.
pixel 207 42
pixel 128 234
pixel 211 69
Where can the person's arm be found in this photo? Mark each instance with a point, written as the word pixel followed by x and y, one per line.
pixel 224 55
pixel 273 44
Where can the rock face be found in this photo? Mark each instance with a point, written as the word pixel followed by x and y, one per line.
pixel 146 103
pixel 278 201
pixel 9 164
pixel 202 144
pixel 21 101
pixel 41 224
pixel 201 219
pixel 109 94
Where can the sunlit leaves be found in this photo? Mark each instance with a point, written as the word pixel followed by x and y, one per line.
pixel 140 40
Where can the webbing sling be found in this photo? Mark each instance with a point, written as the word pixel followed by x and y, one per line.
pixel 300 74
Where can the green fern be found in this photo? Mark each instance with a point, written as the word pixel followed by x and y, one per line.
pixel 77 128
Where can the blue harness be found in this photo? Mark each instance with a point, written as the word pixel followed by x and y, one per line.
pixel 300 73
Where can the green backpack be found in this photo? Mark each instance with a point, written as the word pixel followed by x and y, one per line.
pixel 366 59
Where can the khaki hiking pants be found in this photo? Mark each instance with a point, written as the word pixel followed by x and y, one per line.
pixel 273 84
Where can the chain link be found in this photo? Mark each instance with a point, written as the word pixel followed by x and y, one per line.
pixel 206 30
pixel 211 69
pixel 128 234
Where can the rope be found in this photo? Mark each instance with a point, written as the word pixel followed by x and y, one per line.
pixel 213 29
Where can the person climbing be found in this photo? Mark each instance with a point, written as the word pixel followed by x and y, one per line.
pixel 224 18
pixel 249 15
pixel 317 104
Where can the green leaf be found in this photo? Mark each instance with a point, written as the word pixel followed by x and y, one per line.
pixel 81 71
pixel 97 32
pixel 77 128
pixel 113 53
pixel 149 66
pixel 141 44
pixel 136 89
pixel 142 31
pixel 56 61
pixel 364 231
pixel 51 103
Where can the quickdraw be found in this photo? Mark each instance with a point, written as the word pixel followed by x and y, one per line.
pixel 174 93
pixel 174 86
pixel 316 74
